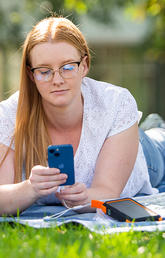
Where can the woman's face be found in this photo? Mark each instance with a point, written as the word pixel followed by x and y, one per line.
pixel 57 87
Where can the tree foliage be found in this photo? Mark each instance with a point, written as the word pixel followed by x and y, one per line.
pixel 17 17
pixel 155 10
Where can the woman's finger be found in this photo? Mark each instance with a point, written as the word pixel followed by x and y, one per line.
pixel 73 197
pixel 48 178
pixel 74 189
pixel 47 185
pixel 44 171
pixel 44 192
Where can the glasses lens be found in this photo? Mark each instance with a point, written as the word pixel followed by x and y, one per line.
pixel 43 74
pixel 69 70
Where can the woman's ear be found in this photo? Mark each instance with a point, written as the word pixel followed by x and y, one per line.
pixel 29 72
pixel 85 68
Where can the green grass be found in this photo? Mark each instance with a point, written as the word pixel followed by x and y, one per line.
pixel 75 241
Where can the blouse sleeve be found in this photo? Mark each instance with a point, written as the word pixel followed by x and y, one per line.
pixel 125 113
pixel 7 119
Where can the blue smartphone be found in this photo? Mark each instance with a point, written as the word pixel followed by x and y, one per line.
pixel 61 157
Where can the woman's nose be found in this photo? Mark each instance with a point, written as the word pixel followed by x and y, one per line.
pixel 57 78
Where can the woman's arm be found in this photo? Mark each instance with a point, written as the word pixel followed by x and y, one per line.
pixel 42 181
pixel 12 195
pixel 113 168
pixel 115 163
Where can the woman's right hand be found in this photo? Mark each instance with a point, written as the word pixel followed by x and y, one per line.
pixel 45 180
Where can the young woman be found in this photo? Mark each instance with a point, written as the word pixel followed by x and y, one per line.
pixel 58 104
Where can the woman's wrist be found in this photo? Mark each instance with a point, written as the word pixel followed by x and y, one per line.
pixel 32 194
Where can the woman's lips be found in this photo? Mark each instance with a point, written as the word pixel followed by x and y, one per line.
pixel 58 92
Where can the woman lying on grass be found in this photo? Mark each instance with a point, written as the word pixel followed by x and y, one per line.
pixel 58 104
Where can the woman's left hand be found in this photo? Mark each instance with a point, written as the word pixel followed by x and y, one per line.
pixel 73 195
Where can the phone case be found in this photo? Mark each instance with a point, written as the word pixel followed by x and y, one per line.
pixel 61 156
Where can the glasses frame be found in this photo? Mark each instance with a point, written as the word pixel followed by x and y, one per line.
pixel 57 70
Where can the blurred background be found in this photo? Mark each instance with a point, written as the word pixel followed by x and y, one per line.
pixel 126 38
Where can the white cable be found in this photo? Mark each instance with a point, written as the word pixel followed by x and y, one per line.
pixel 56 216
pixel 61 213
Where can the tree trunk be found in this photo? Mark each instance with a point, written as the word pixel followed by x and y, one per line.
pixel 5 73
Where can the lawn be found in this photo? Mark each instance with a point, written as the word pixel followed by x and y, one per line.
pixel 75 241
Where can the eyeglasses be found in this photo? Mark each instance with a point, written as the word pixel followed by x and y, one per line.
pixel 45 74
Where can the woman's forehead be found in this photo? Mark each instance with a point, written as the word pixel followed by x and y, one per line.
pixel 49 52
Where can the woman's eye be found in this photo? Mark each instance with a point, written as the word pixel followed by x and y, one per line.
pixel 68 67
pixel 45 72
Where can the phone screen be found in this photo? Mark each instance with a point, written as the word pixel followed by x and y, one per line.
pixel 132 209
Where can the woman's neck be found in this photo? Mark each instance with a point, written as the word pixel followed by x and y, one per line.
pixel 64 118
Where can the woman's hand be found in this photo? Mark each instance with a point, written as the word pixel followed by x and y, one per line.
pixel 73 195
pixel 45 180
